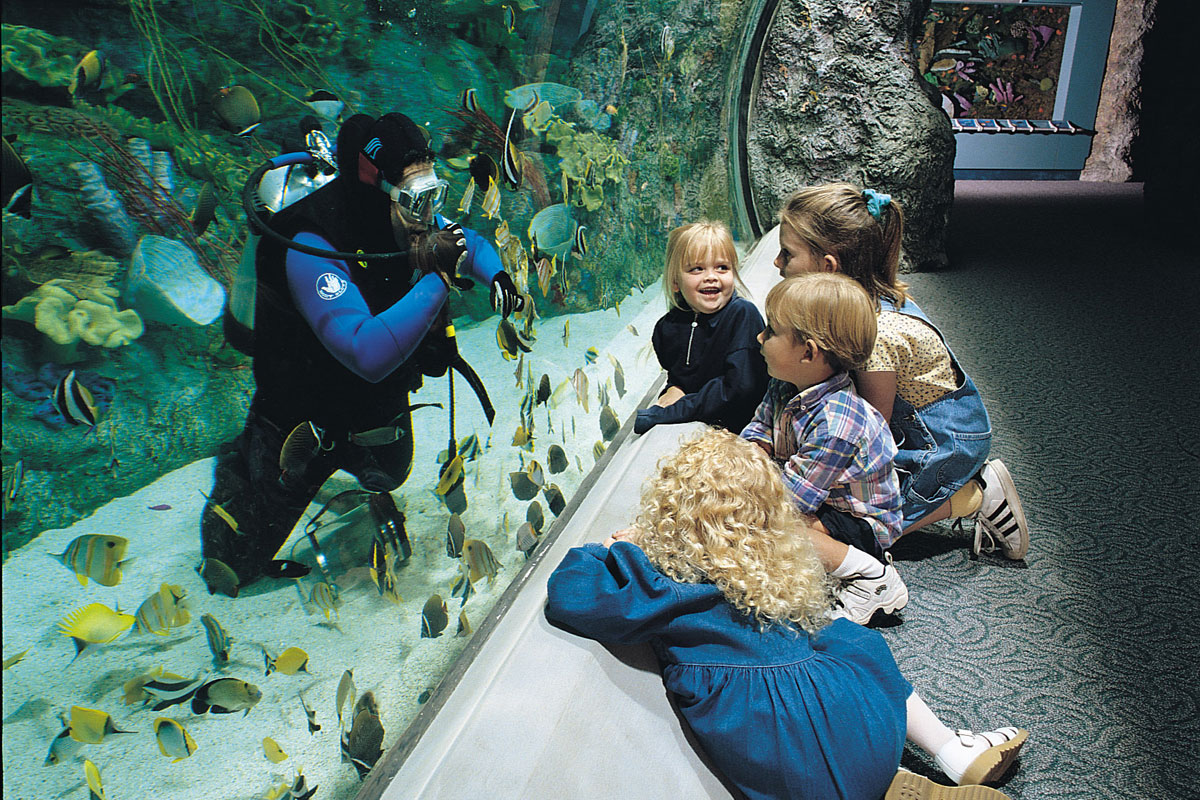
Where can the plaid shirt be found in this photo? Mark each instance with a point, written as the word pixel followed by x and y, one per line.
pixel 834 448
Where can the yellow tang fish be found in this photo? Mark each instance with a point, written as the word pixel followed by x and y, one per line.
pixel 174 741
pixel 96 556
pixel 95 788
pixel 94 624
pixel 90 726
pixel 480 561
pixel 273 751
pixel 163 610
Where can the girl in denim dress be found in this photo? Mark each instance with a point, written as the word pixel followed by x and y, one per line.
pixel 734 603
pixel 935 412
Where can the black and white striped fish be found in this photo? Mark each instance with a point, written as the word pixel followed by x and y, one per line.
pixel 75 402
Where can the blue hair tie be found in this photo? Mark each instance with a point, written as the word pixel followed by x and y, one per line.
pixel 876 203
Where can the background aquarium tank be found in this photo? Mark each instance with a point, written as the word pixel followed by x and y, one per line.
pixel 130 127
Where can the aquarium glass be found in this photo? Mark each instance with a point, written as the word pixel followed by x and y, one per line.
pixel 130 131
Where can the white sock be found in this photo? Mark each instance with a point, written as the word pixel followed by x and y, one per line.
pixel 856 564
pixel 924 729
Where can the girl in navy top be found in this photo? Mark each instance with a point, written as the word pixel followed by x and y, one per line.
pixel 706 341
pixel 786 704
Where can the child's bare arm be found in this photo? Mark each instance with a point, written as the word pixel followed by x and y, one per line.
pixel 878 389
pixel 670 396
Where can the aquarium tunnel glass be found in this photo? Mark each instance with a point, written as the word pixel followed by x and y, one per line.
pixel 572 137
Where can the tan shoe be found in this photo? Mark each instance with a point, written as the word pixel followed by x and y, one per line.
pixel 911 786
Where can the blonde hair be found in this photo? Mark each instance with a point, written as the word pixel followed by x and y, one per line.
pixel 833 219
pixel 831 309
pixel 691 243
pixel 718 511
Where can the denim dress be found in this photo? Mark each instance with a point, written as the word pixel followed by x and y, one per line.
pixel 781 714
pixel 939 446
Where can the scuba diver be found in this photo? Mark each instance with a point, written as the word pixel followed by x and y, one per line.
pixel 349 314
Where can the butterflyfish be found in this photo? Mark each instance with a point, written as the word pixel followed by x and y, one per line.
pixel 523 487
pixel 88 72
pixel 481 562
pixel 134 688
pixel 535 517
pixel 522 437
pixel 452 473
pixel 325 104
pixel 63 747
pixel 618 375
pixel 96 556
pixel 503 234
pixel 491 200
pixel 95 623
pixel 163 610
pixel 362 745
pixel 579 381
pixel 225 696
pixel 12 661
pixel 536 473
pixel 283 568
pixel 18 182
pixel 299 448
pixel 434 617
pixel 526 539
pixel 598 450
pixel 461 587
pixel 218 639
pixel 237 109
pixel 464 205
pixel 510 18
pixel 90 725
pixel 554 499
pixel 169 690
pixel 591 355
pixel 556 459
pixel 579 244
pixel 566 337
pixel 630 327
pixel 345 692
pixel 220 511
pixel 289 662
pixel 174 741
pixel 545 272
pixel 456 532
pixel 325 597
pixel 273 752
pixel 219 577
pixel 543 390
pixel 609 424
pixel 469 448
pixel 313 725
pixel 205 210
pixel 92 774
pixel 464 625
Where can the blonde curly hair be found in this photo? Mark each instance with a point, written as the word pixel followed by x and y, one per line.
pixel 718 511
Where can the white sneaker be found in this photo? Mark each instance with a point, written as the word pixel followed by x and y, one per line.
pixel 1000 519
pixel 858 597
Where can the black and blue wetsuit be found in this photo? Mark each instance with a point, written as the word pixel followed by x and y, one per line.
pixel 337 344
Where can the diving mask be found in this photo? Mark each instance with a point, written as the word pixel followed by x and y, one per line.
pixel 420 197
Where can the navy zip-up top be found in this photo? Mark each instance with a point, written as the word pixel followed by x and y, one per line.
pixel 716 362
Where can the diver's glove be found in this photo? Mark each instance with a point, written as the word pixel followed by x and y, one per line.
pixel 505 297
pixel 443 252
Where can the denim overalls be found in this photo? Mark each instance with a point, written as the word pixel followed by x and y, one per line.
pixel 941 446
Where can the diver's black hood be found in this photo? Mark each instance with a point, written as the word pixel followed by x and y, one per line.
pixel 384 146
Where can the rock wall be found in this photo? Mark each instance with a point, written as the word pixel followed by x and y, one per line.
pixel 838 98
pixel 1119 115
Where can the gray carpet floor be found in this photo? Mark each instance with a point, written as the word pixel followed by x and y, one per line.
pixel 1077 317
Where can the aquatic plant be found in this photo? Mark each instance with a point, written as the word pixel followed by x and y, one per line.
pixel 87 268
pixel 69 313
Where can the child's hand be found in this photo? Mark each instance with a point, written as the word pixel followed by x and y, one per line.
pixel 624 535
pixel 670 396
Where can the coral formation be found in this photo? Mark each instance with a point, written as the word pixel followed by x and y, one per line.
pixel 588 160
pixel 69 313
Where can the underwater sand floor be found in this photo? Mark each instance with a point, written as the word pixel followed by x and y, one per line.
pixel 380 641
